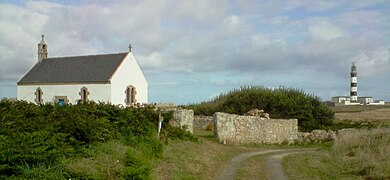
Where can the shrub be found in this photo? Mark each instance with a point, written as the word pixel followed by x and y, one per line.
pixel 42 171
pixel 173 133
pixel 137 166
pixel 35 138
pixel 279 103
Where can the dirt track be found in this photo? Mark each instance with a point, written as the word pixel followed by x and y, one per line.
pixel 274 166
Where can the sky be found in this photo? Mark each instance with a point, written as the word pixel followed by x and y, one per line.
pixel 191 51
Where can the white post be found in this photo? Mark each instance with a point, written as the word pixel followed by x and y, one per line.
pixel 160 120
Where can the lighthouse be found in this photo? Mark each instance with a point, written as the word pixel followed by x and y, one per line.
pixel 353 94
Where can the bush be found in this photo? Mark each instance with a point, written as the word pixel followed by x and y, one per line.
pixel 279 103
pixel 137 166
pixel 173 133
pixel 42 171
pixel 34 138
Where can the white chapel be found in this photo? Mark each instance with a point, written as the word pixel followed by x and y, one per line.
pixel 110 78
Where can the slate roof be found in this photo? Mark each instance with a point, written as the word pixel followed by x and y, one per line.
pixel 77 69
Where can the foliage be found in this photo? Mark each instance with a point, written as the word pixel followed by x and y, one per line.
pixel 137 166
pixel 35 139
pixel 172 133
pixel 279 103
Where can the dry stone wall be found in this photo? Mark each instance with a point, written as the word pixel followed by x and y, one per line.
pixel 183 118
pixel 231 128
pixel 201 122
pixel 316 136
pixel 319 136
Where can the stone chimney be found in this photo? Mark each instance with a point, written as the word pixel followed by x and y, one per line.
pixel 42 50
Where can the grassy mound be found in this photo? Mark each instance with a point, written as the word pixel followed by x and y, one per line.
pixel 279 103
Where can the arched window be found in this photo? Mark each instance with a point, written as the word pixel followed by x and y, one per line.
pixel 84 94
pixel 130 95
pixel 38 96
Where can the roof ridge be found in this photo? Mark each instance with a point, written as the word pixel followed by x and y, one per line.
pixel 91 55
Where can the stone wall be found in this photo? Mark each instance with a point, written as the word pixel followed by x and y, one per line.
pixel 183 118
pixel 201 122
pixel 230 128
pixel 319 136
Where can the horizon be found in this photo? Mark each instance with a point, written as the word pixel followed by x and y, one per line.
pixel 202 49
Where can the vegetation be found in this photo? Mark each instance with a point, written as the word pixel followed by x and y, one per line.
pixel 189 160
pixel 361 154
pixel 279 103
pixel 99 141
pixel 344 159
pixel 360 117
pixel 358 108
pixel 205 160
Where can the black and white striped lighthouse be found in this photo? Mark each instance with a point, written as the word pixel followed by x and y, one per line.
pixel 353 83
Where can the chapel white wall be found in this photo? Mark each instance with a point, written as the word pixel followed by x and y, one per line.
pixel 97 92
pixel 128 73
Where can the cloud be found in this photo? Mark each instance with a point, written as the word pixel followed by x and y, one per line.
pixel 214 44
pixel 361 18
pixel 374 63
pixel 17 27
pixel 324 31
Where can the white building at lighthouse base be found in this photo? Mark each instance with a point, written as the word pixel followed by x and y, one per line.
pixel 346 101
pixel 343 101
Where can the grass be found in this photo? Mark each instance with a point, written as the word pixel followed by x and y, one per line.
pixel 362 116
pixel 318 165
pixel 375 114
pixel 367 152
pixel 363 154
pixel 253 168
pixel 105 161
pixel 204 160
pixel 189 160
pixel 341 109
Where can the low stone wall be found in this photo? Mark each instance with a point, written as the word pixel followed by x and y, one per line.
pixel 230 128
pixel 201 122
pixel 319 136
pixel 183 118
